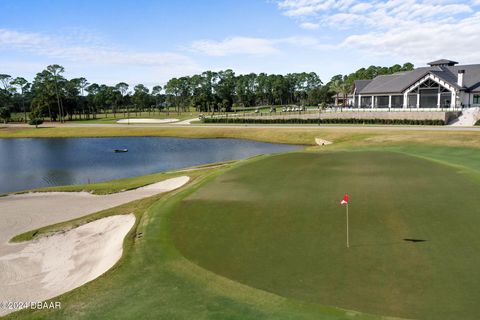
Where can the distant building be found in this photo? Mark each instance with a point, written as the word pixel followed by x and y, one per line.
pixel 443 84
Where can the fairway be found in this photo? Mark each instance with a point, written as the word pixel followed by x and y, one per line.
pixel 276 224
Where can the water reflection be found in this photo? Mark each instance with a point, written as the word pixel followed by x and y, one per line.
pixel 33 163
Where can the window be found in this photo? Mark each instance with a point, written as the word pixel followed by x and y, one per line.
pixel 476 99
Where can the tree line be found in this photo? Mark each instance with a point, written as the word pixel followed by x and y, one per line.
pixel 51 95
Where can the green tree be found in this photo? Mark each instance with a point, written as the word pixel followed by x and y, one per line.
pixel 140 97
pixel 23 86
pixel 56 71
pixel 122 87
pixel 5 114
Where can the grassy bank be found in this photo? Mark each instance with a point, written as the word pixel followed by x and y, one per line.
pixel 345 136
pixel 125 184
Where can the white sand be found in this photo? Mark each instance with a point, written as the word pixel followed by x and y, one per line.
pixel 136 121
pixel 322 142
pixel 50 266
pixel 188 121
pixel 24 212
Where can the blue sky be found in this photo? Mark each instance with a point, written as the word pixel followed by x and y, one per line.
pixel 151 41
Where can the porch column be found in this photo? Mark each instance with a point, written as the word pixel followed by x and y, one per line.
pixel 373 102
pixel 359 101
pixel 390 102
pixel 438 99
pixel 453 103
pixel 418 99
pixel 405 100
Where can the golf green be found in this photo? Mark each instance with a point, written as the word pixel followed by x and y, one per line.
pixel 276 224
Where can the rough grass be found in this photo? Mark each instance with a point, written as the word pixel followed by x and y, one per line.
pixel 348 136
pixel 285 233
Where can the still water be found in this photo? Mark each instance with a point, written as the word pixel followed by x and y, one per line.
pixel 34 163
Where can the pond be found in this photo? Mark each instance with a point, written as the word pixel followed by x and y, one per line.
pixel 44 162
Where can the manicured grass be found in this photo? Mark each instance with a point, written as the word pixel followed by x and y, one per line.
pixel 153 281
pixel 381 274
pixel 276 224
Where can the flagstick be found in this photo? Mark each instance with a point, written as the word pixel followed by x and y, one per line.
pixel 348 245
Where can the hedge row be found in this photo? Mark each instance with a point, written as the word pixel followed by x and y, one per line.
pixel 323 121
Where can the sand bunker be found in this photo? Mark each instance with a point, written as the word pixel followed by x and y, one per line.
pixel 50 266
pixel 25 268
pixel 24 212
pixel 322 142
pixel 147 121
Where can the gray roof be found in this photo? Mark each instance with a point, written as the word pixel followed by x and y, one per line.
pixel 360 84
pixel 397 83
pixel 442 62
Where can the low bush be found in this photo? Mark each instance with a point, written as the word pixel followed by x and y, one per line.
pixel 35 122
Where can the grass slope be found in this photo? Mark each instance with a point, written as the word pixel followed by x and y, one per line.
pixel 285 232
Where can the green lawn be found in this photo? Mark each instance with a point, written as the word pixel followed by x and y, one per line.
pixel 265 239
pixel 111 118
pixel 277 225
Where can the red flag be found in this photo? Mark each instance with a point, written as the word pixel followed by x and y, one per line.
pixel 344 200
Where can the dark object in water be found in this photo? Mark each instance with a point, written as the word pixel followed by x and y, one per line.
pixel 120 150
pixel 414 240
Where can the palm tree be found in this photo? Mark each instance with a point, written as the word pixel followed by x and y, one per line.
pixel 341 87
pixel 336 86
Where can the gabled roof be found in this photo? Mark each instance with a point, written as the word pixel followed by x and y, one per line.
pixel 397 83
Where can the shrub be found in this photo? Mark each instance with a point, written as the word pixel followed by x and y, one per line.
pixel 35 122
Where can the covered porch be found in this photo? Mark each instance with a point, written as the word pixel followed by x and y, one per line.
pixel 430 92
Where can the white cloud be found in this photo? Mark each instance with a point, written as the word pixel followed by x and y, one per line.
pixel 234 46
pixel 360 7
pixel 416 30
pixel 297 8
pixel 310 26
pixel 458 40
pixel 48 46
pixel 249 46
pixel 88 51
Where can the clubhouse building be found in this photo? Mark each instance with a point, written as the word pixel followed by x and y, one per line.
pixel 442 85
